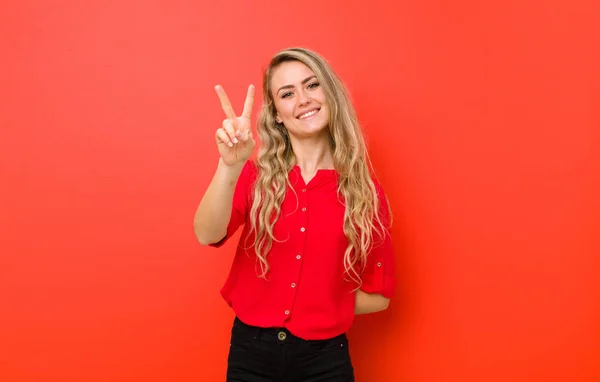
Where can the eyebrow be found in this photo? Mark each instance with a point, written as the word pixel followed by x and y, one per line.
pixel 292 86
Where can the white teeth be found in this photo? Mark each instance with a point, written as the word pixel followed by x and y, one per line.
pixel 306 115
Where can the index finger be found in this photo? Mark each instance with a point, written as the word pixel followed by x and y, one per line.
pixel 225 104
pixel 249 102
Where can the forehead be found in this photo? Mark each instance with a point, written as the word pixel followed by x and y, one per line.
pixel 290 73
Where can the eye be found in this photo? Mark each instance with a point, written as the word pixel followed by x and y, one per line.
pixel 313 85
pixel 285 95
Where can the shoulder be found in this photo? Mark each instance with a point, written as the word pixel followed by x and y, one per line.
pixel 383 202
pixel 250 170
pixel 250 165
pixel 247 177
pixel 378 186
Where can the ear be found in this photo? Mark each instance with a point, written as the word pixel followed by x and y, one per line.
pixel 278 118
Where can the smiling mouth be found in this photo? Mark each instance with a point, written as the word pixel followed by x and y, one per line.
pixel 308 114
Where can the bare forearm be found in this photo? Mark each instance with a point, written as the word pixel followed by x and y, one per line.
pixel 370 303
pixel 213 213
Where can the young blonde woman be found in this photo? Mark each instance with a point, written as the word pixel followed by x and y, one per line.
pixel 315 248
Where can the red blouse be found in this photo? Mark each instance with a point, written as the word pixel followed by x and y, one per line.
pixel 306 290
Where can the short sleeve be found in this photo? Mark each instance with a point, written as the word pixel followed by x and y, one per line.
pixel 241 201
pixel 379 274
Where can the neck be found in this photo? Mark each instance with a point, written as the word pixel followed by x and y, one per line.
pixel 312 154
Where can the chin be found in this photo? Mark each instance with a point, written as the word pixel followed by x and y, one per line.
pixel 315 126
pixel 313 132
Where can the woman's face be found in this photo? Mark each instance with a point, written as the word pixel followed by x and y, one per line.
pixel 299 100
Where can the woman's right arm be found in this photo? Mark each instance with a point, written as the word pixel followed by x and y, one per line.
pixel 235 144
pixel 214 211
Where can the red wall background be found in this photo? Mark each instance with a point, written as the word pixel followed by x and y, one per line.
pixel 484 125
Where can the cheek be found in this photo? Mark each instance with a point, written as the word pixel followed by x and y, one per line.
pixel 285 110
pixel 321 97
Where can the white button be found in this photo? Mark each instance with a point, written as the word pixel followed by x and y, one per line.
pixel 302 229
pixel 379 264
pixel 303 209
pixel 293 285
pixel 287 312
pixel 298 257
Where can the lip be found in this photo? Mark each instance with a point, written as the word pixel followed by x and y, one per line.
pixel 308 111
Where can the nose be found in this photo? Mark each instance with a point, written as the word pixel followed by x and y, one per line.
pixel 303 99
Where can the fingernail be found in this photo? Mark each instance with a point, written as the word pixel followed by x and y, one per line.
pixel 230 144
pixel 235 140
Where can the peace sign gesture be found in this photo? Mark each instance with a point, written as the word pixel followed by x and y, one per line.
pixel 234 138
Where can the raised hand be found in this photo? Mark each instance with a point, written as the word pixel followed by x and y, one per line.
pixel 234 138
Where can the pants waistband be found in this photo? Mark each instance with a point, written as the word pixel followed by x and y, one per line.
pixel 277 335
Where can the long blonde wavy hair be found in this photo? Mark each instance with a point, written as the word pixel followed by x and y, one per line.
pixel 276 158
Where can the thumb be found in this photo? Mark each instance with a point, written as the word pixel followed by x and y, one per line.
pixel 245 136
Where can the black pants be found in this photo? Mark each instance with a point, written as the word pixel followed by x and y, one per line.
pixel 269 355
